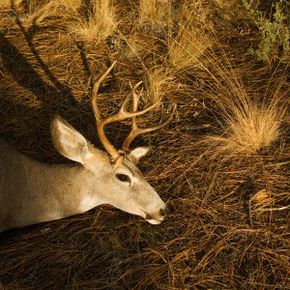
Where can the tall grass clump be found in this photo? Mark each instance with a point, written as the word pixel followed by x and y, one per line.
pixel 248 125
pixel 248 129
pixel 274 30
pixel 155 16
pixel 101 22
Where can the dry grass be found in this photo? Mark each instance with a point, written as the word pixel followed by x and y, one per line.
pixel 185 51
pixel 73 5
pixel 191 41
pixel 101 23
pixel 222 163
pixel 248 124
pixel 5 4
pixel 155 11
pixel 36 12
pixel 159 83
pixel 248 128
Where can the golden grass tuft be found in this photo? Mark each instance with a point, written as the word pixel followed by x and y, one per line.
pixel 101 23
pixel 248 129
pixel 248 123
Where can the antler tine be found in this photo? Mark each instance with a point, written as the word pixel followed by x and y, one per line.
pixel 136 131
pixel 123 114
pixel 123 108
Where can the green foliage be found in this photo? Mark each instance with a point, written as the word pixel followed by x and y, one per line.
pixel 274 29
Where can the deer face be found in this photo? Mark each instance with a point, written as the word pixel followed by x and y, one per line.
pixel 130 192
pixel 120 184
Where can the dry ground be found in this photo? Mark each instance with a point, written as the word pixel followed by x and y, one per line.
pixel 223 161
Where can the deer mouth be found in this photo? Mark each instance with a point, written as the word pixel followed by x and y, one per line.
pixel 153 220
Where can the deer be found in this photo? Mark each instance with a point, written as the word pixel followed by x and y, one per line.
pixel 33 192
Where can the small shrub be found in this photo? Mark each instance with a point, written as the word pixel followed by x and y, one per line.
pixel 274 29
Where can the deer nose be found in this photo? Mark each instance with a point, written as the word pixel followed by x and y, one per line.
pixel 163 212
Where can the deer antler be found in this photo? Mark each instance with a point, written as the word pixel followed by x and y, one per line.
pixel 136 131
pixel 100 128
pixel 121 115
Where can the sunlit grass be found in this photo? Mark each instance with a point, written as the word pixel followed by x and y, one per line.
pixel 187 48
pixel 191 40
pixel 5 3
pixel 66 8
pixel 247 125
pixel 159 82
pixel 37 13
pixel 102 22
pixel 154 11
pixel 248 129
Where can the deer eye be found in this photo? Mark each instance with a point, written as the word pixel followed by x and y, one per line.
pixel 123 177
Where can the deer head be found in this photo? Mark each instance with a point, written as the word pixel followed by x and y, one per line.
pixel 115 177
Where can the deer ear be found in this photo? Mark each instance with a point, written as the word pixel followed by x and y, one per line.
pixel 138 153
pixel 68 141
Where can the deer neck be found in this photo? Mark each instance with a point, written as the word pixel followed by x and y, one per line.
pixel 80 189
pixel 53 192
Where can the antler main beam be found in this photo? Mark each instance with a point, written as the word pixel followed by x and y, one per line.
pixel 99 122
